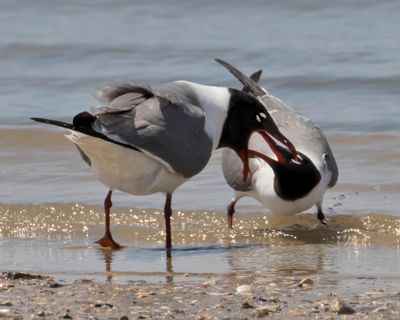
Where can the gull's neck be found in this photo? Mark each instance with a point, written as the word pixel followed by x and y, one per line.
pixel 215 103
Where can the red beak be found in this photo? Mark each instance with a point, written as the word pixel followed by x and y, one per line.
pixel 282 139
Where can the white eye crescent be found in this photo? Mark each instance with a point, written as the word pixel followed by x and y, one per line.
pixel 262 115
pixel 258 118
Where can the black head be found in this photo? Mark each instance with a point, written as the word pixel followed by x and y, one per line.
pixel 257 116
pixel 246 115
pixel 294 178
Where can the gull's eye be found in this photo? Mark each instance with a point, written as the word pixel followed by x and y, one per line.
pixel 261 117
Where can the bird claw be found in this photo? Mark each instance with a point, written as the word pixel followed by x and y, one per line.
pixel 108 242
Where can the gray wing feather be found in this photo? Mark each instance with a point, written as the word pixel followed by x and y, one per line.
pixel 171 132
pixel 333 167
pixel 110 93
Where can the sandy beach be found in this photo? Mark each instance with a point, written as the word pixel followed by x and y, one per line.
pixel 234 296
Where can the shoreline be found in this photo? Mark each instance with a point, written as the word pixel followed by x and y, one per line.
pixel 236 295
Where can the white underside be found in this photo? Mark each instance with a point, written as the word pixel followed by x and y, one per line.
pixel 124 169
pixel 263 191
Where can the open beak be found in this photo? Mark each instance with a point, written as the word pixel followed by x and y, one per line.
pixel 248 153
pixel 281 138
pixel 273 146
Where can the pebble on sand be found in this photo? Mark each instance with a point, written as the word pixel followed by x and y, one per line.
pixel 246 305
pixel 296 313
pixel 209 283
pixel 340 307
pixel 244 289
pixel 266 310
pixel 306 282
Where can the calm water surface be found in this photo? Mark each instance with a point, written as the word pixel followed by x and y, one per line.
pixel 336 63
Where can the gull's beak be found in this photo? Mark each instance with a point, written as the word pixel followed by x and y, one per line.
pixel 244 156
pixel 272 144
pixel 286 142
pixel 270 129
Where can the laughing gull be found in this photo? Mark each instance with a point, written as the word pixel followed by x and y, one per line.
pixel 142 141
pixel 284 184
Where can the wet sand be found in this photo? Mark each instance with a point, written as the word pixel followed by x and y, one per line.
pixel 240 295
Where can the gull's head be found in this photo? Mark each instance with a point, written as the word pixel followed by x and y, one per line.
pixel 247 115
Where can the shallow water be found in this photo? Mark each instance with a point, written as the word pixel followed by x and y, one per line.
pixel 58 239
pixel 336 63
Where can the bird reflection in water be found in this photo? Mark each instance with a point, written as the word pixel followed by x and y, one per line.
pixel 107 255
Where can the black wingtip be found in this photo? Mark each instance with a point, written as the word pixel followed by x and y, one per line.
pixel 252 86
pixel 256 76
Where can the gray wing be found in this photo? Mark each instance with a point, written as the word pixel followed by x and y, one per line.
pixel 304 134
pixel 172 133
pixel 332 165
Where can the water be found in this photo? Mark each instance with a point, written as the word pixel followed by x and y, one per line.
pixel 336 63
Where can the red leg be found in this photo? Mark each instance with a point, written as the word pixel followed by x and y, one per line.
pixel 320 214
pixel 167 217
pixel 107 240
pixel 230 212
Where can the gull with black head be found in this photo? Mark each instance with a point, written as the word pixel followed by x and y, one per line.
pixel 283 183
pixel 142 141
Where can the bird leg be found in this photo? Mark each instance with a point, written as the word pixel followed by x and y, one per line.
pixel 167 218
pixel 230 212
pixel 320 215
pixel 107 240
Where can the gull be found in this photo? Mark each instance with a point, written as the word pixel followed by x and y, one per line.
pixel 283 183
pixel 143 141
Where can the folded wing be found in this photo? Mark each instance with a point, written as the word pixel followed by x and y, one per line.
pixel 171 132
